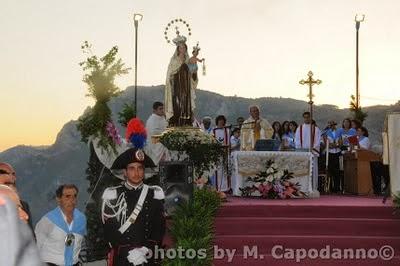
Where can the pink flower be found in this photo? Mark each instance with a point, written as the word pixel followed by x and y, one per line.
pixel 264 189
pixel 113 133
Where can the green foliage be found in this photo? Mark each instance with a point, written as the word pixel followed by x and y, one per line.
pixel 202 149
pixel 97 246
pixel 358 113
pixel 127 113
pixel 100 80
pixel 93 123
pixel 192 227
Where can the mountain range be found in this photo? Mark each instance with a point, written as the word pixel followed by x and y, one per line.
pixel 41 169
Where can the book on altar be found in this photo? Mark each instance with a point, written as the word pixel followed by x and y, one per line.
pixel 353 140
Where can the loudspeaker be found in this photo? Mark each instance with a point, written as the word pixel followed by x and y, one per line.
pixel 176 179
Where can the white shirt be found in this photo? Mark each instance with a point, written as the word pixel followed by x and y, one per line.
pixel 156 125
pixel 51 242
pixel 235 143
pixel 304 141
pixel 364 143
pixel 222 135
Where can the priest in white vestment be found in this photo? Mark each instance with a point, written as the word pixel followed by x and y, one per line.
pixel 253 129
pixel 302 142
pixel 155 125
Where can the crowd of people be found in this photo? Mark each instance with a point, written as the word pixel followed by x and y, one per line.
pixel 132 216
pixel 285 133
pixel 286 136
pixel 58 237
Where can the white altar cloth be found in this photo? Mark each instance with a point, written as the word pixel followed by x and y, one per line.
pixel 250 163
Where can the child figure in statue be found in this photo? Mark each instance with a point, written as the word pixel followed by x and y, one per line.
pixel 193 62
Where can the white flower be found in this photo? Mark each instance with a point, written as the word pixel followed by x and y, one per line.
pixel 274 165
pixel 276 176
pixel 270 170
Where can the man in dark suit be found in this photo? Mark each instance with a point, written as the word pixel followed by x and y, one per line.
pixel 133 213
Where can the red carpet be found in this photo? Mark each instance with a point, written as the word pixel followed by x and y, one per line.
pixel 319 230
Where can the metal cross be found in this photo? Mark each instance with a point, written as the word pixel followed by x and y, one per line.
pixel 310 83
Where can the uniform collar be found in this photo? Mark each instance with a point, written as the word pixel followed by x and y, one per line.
pixel 129 186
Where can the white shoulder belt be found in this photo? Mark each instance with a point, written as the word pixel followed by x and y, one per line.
pixel 138 208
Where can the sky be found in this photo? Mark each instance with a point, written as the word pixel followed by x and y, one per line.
pixel 253 48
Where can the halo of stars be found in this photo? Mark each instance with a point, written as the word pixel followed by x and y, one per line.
pixel 176 24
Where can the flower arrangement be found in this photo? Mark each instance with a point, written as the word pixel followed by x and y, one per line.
pixel 272 184
pixel 202 149
pixel 113 133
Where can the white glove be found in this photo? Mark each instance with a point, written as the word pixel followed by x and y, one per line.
pixel 137 256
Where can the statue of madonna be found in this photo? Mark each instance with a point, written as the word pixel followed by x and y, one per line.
pixel 180 86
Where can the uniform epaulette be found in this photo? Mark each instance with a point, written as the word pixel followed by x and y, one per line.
pixel 110 193
pixel 158 192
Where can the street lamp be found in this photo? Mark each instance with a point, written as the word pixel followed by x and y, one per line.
pixel 358 19
pixel 136 17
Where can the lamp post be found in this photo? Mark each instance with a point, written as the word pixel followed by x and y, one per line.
pixel 136 17
pixel 358 19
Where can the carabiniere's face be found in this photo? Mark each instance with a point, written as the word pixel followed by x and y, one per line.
pixel 134 173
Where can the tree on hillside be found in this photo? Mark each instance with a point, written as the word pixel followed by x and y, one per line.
pixel 356 110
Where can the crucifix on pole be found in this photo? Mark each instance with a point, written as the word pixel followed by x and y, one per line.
pixel 310 82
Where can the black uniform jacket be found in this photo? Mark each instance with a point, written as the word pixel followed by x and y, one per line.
pixel 148 229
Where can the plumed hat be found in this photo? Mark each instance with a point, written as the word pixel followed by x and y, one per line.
pixel 132 155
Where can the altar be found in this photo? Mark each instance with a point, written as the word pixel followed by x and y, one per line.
pixel 250 163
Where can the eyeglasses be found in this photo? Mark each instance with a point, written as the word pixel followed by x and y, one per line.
pixel 4 172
